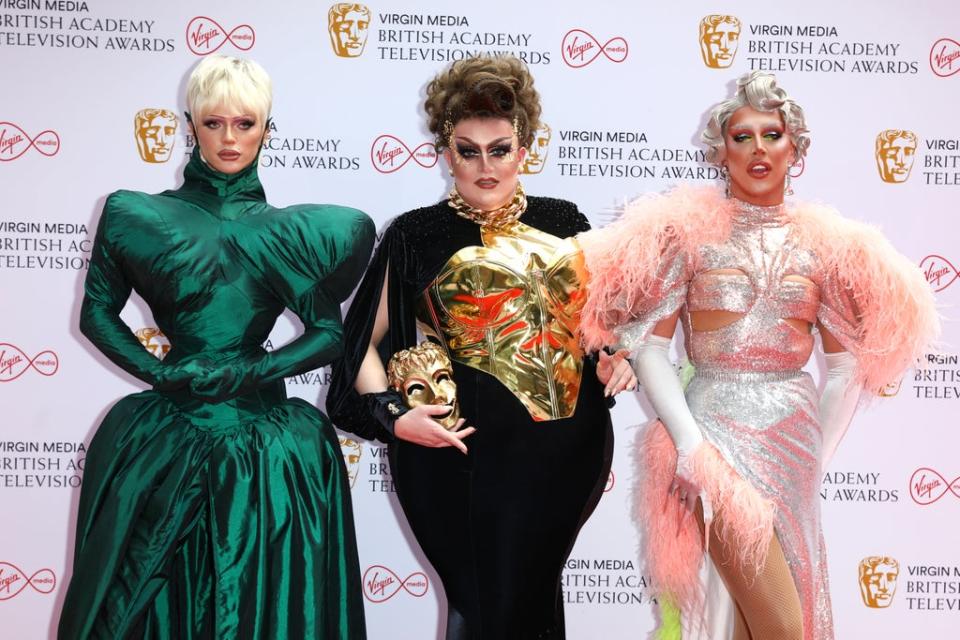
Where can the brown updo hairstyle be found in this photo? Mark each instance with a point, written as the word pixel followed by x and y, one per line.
pixel 483 87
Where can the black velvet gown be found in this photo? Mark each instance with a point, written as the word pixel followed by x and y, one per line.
pixel 497 524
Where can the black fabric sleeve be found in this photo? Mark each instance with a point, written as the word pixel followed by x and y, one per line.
pixel 347 408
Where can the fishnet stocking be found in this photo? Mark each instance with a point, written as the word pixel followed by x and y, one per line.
pixel 767 603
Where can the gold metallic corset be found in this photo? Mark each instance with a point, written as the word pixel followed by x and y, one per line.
pixel 511 308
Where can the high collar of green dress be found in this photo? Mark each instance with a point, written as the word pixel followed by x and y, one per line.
pixel 201 177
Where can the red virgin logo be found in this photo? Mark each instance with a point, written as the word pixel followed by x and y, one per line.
pixel 927 486
pixel 939 272
pixel 796 169
pixel 945 57
pixel 204 36
pixel 389 153
pixel 14 142
pixel 380 584
pixel 13 581
pixel 14 362
pixel 611 482
pixel 579 48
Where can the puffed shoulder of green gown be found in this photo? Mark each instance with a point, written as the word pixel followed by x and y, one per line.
pixel 290 249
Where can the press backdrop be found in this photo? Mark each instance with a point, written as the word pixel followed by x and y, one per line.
pixel 626 87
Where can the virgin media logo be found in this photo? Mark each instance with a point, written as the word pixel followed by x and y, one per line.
pixel 204 36
pixel 945 57
pixel 389 153
pixel 13 581
pixel 927 486
pixel 14 142
pixel 939 272
pixel 380 584
pixel 796 169
pixel 579 48
pixel 14 362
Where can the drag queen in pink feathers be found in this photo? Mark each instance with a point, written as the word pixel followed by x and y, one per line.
pixel 732 466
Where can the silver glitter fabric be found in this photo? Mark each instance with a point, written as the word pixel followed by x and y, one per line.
pixel 749 396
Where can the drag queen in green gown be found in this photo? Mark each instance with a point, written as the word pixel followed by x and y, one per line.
pixel 213 506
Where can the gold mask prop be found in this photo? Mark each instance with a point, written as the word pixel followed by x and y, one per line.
pixel 424 375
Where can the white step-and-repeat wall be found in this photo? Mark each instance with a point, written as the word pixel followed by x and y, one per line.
pixel 92 101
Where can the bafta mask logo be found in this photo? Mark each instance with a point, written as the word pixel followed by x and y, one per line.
pixel 154 341
pixel 878 581
pixel 348 25
pixel 895 153
pixel 890 389
pixel 155 131
pixel 537 154
pixel 351 450
pixel 719 39
pixel 424 375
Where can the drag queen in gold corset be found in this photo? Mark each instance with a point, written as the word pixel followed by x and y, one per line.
pixel 494 277
pixel 751 279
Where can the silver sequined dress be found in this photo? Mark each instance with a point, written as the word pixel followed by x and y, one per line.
pixel 749 395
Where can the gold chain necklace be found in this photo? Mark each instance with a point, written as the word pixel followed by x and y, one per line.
pixel 501 217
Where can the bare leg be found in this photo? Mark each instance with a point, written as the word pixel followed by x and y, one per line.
pixel 768 606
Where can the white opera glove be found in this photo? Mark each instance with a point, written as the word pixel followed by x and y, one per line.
pixel 655 372
pixel 838 402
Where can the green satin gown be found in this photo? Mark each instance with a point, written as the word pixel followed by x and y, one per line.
pixel 213 506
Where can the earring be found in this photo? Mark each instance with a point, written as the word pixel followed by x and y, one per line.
pixel 725 176
pixel 450 171
pixel 787 188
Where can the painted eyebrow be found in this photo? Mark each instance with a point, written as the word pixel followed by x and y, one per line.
pixel 773 124
pixel 234 119
pixel 491 144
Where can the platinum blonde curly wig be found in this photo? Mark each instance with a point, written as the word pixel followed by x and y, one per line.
pixel 759 90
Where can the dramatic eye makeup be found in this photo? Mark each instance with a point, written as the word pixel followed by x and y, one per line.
pixel 772 133
pixel 501 148
pixel 467 151
pixel 213 122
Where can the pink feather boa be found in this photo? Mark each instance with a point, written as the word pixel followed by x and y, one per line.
pixel 896 318
pixel 672 540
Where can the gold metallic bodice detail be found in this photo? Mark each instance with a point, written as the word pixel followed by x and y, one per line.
pixel 511 308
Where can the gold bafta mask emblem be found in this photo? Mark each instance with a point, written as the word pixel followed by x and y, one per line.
pixel 895 153
pixel 153 341
pixel 719 39
pixel 537 154
pixel 348 25
pixel 878 580
pixel 155 131
pixel 351 450
pixel 890 389
pixel 424 375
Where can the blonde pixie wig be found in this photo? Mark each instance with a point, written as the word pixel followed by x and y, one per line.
pixel 760 91
pixel 220 80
